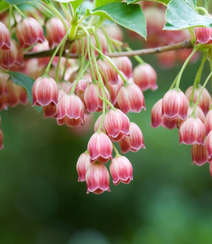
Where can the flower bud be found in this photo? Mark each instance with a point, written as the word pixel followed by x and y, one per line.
pixel 204 101
pixel 12 56
pixel 156 114
pixel 70 110
pixel 134 142
pixel 29 32
pixel 208 144
pixel 83 164
pixel 145 77
pixel 192 131
pixel 97 178
pixel 44 92
pixel 121 170
pixel 55 31
pixel 116 124
pixel 91 98
pixel 203 35
pixel 124 64
pixel 175 104
pixel 208 122
pixel 199 154
pixel 100 147
pixel 131 98
pixel 4 37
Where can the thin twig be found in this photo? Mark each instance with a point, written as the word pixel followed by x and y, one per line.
pixel 187 44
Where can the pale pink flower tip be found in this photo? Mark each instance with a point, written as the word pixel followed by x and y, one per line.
pixel 97 178
pixel 121 170
pixel 83 164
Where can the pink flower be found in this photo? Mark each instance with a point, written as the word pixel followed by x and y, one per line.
pixel 203 35
pixel 44 91
pixel 131 98
pixel 192 131
pixel 208 144
pixel 175 104
pixel 199 154
pixel 134 142
pixel 97 178
pixel 4 37
pixel 29 32
pixel 145 77
pixel 124 64
pixel 70 110
pixel 156 114
pixel 208 122
pixel 121 170
pixel 100 147
pixel 83 164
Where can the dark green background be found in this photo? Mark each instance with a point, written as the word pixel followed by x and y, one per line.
pixel 41 202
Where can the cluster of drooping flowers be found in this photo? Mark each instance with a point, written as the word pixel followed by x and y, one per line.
pixel 72 90
pixel 159 37
pixel 191 112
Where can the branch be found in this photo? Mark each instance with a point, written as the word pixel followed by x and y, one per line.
pixel 187 44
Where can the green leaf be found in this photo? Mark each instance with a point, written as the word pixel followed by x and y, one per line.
pixel 192 3
pixel 3 6
pixel 14 2
pixel 76 4
pixel 128 16
pixel 26 82
pixel 165 2
pixel 99 3
pixel 180 15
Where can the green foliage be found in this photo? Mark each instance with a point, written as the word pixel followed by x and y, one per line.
pixel 76 4
pixel 26 82
pixel 181 15
pixel 14 2
pixel 99 3
pixel 3 6
pixel 165 2
pixel 129 16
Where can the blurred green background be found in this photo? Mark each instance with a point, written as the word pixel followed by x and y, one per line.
pixel 41 202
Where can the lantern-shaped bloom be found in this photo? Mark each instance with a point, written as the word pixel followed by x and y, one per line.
pixel 134 142
pixel 199 154
pixel 175 104
pixel 208 144
pixel 107 72
pixel 205 98
pixel 192 131
pixel 83 164
pixel 145 77
pixel 203 35
pixel 97 178
pixel 4 37
pixel 116 124
pixel 3 83
pixel 124 64
pixel 81 87
pixel 70 110
pixel 156 114
pixel 100 147
pixel 44 91
pixel 91 98
pixel 55 31
pixel 12 56
pixel 131 98
pixel 29 32
pixel 121 170
pixel 114 90
pixel 208 122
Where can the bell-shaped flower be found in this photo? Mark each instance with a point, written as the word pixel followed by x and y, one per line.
pixel 134 142
pixel 83 164
pixel 192 131
pixel 199 154
pixel 208 144
pixel 175 104
pixel 124 64
pixel 145 77
pixel 29 32
pixel 208 121
pixel 70 110
pixel 100 147
pixel 97 178
pixel 44 91
pixel 121 170
pixel 4 37
pixel 203 35
pixel 131 98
